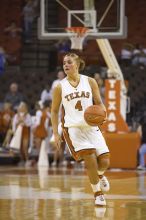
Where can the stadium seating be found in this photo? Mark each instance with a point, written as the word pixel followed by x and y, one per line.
pixel 11 46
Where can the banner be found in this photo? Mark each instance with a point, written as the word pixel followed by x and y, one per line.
pixel 115 121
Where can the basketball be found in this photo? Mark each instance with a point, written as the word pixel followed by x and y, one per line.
pixel 94 115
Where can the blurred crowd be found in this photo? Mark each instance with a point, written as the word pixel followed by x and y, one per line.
pixel 17 31
pixel 19 128
pixel 133 55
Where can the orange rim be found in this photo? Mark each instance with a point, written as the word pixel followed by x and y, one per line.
pixel 79 30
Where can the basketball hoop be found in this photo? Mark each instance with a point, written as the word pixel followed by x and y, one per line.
pixel 79 35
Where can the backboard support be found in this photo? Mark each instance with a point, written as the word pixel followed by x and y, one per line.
pixel 104 18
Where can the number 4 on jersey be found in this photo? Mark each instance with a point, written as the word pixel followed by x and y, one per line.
pixel 78 106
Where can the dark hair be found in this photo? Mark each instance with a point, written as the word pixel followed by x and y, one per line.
pixel 80 62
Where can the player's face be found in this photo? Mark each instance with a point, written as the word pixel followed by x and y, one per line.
pixel 69 65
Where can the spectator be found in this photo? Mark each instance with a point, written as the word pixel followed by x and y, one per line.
pixel 41 124
pixel 136 54
pixel 142 149
pixel 2 60
pixel 12 30
pixel 36 5
pixel 6 120
pixel 22 120
pixel 46 93
pixel 28 17
pixel 139 55
pixel 143 56
pixel 126 54
pixel 35 122
pixel 14 96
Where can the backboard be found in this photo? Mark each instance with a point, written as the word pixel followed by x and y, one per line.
pixel 104 18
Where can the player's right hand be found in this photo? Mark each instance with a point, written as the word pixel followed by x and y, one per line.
pixel 58 141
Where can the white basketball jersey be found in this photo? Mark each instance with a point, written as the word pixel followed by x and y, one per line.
pixel 75 100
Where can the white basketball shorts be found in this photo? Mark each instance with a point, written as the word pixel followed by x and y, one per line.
pixel 85 138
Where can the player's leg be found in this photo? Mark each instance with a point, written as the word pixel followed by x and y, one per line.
pixel 103 164
pixel 91 166
pixel 103 157
pixel 81 147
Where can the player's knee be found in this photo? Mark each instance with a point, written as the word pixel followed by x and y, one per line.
pixel 89 160
pixel 104 161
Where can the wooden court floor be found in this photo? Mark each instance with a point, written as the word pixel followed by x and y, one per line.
pixel 65 194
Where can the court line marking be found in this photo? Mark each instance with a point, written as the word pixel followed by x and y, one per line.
pixel 17 192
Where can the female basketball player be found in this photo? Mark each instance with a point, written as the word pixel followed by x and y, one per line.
pixel 76 92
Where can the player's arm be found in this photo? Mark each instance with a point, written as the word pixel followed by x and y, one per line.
pixel 95 92
pixel 56 101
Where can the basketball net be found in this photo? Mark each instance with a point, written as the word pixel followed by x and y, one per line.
pixel 78 38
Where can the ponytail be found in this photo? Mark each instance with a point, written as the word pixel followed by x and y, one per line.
pixel 81 65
